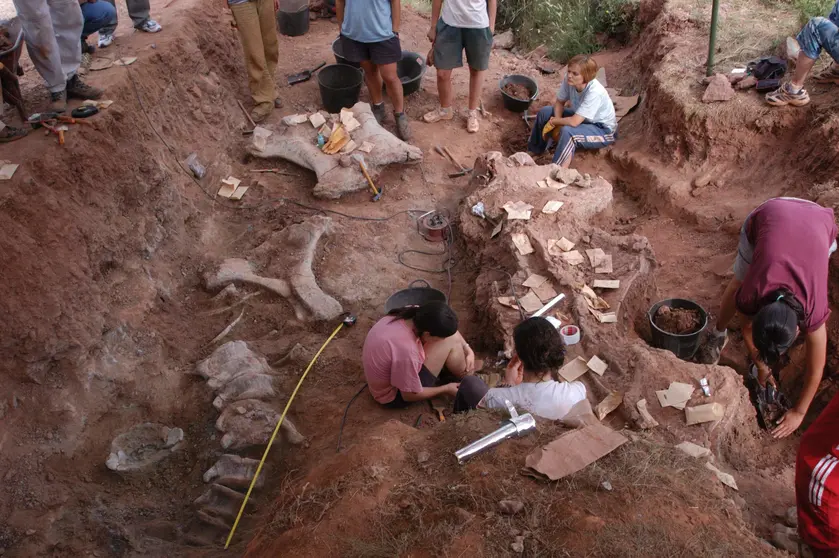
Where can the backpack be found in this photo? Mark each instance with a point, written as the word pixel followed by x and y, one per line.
pixel 767 67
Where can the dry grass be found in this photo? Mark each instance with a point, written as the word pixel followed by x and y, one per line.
pixel 305 507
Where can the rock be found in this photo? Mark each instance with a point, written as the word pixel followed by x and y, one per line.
pixel 719 89
pixel 566 176
pixel 518 545
pixel 510 507
pixel 423 456
pixel 607 486
pixel 143 445
pixel 739 501
pixel 746 83
pixel 791 517
pixel 785 538
pixel 703 180
pixel 504 40
pixel 521 160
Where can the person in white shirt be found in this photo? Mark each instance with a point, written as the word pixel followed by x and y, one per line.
pixel 582 116
pixel 458 25
pixel 539 353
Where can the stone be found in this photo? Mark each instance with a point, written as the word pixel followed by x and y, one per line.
pixel 785 538
pixel 521 160
pixel 694 450
pixel 565 176
pixel 607 486
pixel 142 446
pixel 746 83
pixel 518 545
pixel 510 507
pixel 423 456
pixel 719 90
pixel 791 517
pixel 503 40
pixel 703 180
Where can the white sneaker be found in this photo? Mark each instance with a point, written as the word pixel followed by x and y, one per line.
pixel 150 26
pixel 105 39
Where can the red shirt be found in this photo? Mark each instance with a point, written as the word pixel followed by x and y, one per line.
pixel 392 357
pixel 791 240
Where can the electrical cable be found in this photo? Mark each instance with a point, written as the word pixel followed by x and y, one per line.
pixel 344 419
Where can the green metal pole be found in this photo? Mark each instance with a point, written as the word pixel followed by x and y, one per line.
pixel 712 41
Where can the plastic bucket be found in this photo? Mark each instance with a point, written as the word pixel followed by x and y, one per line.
pixel 410 70
pixel 685 345
pixel 413 296
pixel 293 24
pixel 338 51
pixel 518 105
pixel 340 86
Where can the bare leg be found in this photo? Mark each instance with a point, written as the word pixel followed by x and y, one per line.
pixel 802 68
pixel 446 352
pixel 444 88
pixel 394 86
pixel 476 85
pixel 374 81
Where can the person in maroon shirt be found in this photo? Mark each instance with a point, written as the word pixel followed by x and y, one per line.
pixel 780 285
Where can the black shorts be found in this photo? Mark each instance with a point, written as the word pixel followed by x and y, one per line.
pixel 427 379
pixel 472 390
pixel 381 53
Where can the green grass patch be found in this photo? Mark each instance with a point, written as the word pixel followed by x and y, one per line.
pixel 812 8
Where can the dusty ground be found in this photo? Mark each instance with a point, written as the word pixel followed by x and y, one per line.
pixel 103 247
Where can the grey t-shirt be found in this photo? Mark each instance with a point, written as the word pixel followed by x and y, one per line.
pixel 592 103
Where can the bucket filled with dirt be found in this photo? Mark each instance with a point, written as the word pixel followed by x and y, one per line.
pixel 677 325
pixel 518 92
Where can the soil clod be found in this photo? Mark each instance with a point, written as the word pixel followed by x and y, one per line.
pixel 517 91
pixel 680 321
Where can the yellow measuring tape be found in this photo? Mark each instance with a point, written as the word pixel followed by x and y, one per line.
pixel 274 434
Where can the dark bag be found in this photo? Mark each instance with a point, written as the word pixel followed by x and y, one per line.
pixel 766 85
pixel 768 67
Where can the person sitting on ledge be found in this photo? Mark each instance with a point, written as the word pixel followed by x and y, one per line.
pixel 583 115
pixel 416 353
pixel 540 351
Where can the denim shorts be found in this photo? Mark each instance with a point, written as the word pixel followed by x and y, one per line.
pixel 821 33
pixel 452 41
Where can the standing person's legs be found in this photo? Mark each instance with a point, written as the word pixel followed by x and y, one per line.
pixel 448 353
pixel 138 10
pixel 68 23
pixel 270 45
pixel 478 45
pixel 373 80
pixel 448 55
pixel 385 55
pixel 250 35
pixel 109 29
pixel 42 43
pixel 97 15
pixel 585 136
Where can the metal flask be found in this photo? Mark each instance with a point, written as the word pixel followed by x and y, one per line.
pixel 516 426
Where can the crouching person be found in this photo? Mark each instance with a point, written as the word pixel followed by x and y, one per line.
pixel 540 351
pixel 416 353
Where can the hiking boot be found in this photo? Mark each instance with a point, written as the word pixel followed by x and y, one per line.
pixel 58 101
pixel 830 75
pixel 438 115
pixel 710 352
pixel 379 112
pixel 150 26
pixel 785 95
pixel 105 39
pixel 402 129
pixel 77 89
pixel 472 125
pixel 261 111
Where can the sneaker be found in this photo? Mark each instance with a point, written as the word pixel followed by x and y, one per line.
pixel 402 129
pixel 438 115
pixel 58 101
pixel 830 75
pixel 379 112
pixel 105 40
pixel 472 125
pixel 784 95
pixel 150 26
pixel 710 352
pixel 77 89
pixel 261 111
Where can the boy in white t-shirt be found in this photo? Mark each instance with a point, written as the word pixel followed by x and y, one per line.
pixel 539 351
pixel 458 25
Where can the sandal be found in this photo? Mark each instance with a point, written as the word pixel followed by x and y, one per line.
pixel 9 134
pixel 438 115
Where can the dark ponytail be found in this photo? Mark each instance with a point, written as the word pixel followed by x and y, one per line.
pixel 538 345
pixel 776 324
pixel 435 318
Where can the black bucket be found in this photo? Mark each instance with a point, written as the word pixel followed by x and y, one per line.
pixel 683 346
pixel 518 105
pixel 413 296
pixel 293 24
pixel 410 70
pixel 338 51
pixel 340 86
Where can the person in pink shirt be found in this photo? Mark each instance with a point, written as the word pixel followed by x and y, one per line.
pixel 416 353
pixel 780 286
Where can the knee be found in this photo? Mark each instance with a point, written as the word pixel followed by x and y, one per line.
pixel 471 383
pixel 444 75
pixel 545 113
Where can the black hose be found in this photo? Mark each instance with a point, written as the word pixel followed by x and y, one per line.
pixel 344 419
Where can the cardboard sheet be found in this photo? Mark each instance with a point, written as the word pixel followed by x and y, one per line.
pixel 573 257
pixel 574 369
pixel 534 281
pixel 518 210
pixel 597 366
pixel 595 256
pixel 605 265
pixel 573 451
pixel 545 292
pixel 552 207
pixel 522 243
pixel 606 284
pixel 530 302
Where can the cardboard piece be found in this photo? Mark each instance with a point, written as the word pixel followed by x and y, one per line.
pixel 595 256
pixel 545 292
pixel 573 451
pixel 7 171
pixel 352 125
pixel 101 104
pixel 564 244
pixel 573 257
pixel 554 184
pixel 606 284
pixel 604 317
pixel 609 404
pixel 522 243
pixel 530 302
pixel 694 450
pixel 239 193
pixel 724 478
pixel 534 281
pixel 317 120
pixel 677 395
pixel 597 366
pixel 704 413
pixel 228 186
pixel 647 420
pixel 497 228
pixel 552 207
pixel 574 369
pixel 518 210
pixel 349 147
pixel 346 116
pixel 366 146
pixel 605 265
pixel 542 183
pixel 624 105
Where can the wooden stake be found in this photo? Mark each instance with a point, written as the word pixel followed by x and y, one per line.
pixel 248 116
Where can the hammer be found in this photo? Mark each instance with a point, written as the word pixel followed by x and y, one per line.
pixel 377 193
pixel 446 154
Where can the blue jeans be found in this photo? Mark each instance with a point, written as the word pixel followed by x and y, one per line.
pixel 821 33
pixel 584 136
pixel 97 15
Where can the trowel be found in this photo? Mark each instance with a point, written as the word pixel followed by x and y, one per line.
pixel 305 75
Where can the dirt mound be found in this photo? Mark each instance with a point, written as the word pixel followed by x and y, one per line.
pixel 680 321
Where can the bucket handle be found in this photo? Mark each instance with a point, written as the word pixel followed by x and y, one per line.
pixel 415 281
